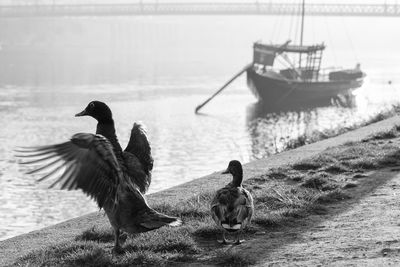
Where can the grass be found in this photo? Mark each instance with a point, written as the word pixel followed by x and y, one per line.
pixel 68 254
pixel 321 135
pixel 333 196
pixel 104 235
pixel 231 258
pixel 196 207
pixel 164 240
pixel 282 196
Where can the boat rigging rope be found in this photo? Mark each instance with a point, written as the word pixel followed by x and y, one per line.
pixel 330 40
pixel 313 31
pixel 292 21
pixel 276 29
pixel 349 39
pixel 279 27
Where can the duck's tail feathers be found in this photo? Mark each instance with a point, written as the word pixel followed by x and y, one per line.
pixel 153 220
pixel 176 223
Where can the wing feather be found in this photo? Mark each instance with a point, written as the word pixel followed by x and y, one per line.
pixel 85 162
pixel 136 172
pixel 139 146
pixel 68 177
pixel 232 204
pixel 218 206
pixel 45 166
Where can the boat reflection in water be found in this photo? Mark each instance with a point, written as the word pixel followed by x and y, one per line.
pixel 274 129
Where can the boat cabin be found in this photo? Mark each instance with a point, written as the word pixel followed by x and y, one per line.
pixel 309 59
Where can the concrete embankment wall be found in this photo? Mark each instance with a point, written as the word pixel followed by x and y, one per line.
pixel 15 247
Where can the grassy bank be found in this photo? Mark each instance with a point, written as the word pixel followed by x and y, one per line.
pixel 328 133
pixel 283 197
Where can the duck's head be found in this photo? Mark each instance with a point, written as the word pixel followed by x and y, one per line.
pixel 235 168
pixel 98 110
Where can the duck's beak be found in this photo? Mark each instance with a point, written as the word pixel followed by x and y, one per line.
pixel 82 113
pixel 225 172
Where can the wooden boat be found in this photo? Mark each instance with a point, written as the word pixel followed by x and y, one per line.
pixel 301 82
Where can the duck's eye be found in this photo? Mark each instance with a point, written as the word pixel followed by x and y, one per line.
pixel 91 105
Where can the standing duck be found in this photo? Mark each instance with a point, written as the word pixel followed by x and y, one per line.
pixel 115 179
pixel 232 206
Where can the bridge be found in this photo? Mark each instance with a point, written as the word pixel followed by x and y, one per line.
pixel 250 8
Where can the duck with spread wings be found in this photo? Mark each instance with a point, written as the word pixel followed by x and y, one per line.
pixel 95 163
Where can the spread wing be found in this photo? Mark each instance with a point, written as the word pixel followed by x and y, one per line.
pixel 136 172
pixel 87 162
pixel 139 146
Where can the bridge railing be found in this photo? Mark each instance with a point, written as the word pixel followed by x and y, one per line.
pixel 197 8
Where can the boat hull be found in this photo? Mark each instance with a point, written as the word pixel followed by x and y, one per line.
pixel 272 89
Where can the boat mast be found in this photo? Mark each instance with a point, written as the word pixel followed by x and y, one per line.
pixel 302 22
pixel 302 28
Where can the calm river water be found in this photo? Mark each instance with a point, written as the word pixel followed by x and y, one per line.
pixel 156 70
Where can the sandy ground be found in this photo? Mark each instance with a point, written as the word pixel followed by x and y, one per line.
pixel 361 231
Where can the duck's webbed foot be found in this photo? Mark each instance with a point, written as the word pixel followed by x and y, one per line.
pixel 223 241
pixel 238 240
